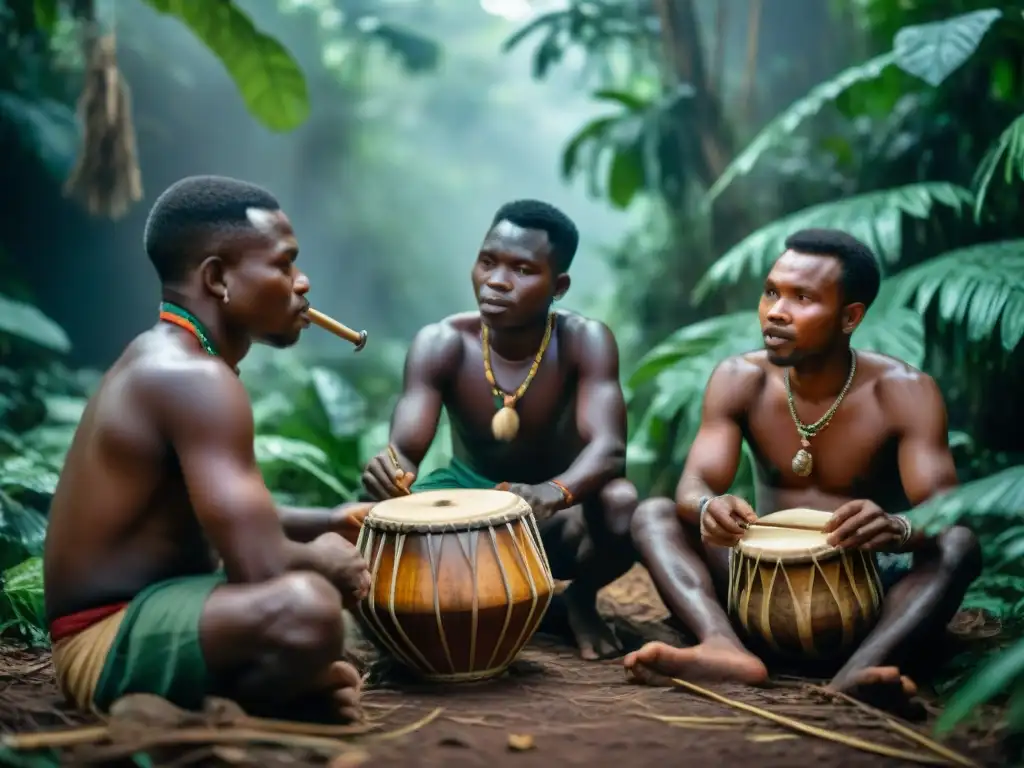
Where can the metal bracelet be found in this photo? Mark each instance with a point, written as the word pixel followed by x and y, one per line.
pixel 908 529
pixel 704 501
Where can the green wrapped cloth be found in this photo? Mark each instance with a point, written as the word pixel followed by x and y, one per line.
pixel 458 474
pixel 157 648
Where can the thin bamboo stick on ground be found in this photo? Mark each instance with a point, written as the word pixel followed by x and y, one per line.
pixel 810 730
pixel 909 733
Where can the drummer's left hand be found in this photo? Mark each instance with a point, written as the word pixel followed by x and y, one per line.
pixel 545 499
pixel 862 524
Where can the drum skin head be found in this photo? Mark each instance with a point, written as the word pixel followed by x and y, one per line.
pixel 787 545
pixel 456 509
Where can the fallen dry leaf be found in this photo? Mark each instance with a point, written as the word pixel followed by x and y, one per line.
pixel 520 742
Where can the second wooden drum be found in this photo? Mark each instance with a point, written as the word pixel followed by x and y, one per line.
pixel 798 596
pixel 460 581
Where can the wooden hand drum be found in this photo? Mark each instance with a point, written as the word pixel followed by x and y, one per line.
pixel 798 596
pixel 460 581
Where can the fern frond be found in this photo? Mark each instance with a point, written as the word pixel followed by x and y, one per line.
pixel 680 368
pixel 998 495
pixel 1009 149
pixel 875 218
pixel 981 286
pixel 793 117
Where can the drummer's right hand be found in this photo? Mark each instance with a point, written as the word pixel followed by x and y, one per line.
pixel 382 480
pixel 723 521
pixel 343 566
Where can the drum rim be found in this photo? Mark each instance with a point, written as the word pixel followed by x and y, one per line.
pixel 520 511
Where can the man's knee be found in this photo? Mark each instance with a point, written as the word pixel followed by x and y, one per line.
pixel 960 552
pixel 619 501
pixel 301 613
pixel 652 516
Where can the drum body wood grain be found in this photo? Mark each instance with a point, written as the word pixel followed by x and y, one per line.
pixel 460 581
pixel 798 597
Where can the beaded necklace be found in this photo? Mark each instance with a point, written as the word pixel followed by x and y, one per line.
pixel 181 317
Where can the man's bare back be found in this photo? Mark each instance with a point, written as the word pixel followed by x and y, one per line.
pixel 121 516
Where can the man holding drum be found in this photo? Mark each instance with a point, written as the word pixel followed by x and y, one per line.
pixel 535 406
pixel 858 434
pixel 161 482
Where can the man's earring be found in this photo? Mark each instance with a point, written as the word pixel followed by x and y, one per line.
pixel 226 296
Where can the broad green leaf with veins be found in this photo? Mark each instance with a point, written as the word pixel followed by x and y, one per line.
pixel 934 51
pixel 270 80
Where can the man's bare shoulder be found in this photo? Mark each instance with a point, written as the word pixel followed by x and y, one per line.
pixel 168 375
pixel 440 345
pixel 746 373
pixel 901 388
pixel 585 335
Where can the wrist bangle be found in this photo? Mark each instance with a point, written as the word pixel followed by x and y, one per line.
pixel 704 501
pixel 908 529
pixel 566 493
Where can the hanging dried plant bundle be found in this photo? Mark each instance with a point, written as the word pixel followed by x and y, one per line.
pixel 106 178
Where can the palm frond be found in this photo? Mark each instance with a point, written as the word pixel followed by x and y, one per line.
pixel 680 368
pixel 935 50
pixel 981 286
pixel 875 218
pixel 792 118
pixel 1009 148
pixel 999 495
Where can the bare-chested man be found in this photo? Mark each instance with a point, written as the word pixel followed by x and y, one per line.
pixel 567 458
pixel 885 450
pixel 161 482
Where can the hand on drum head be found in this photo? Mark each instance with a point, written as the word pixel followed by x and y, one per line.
pixel 724 521
pixel 544 499
pixel 342 565
pixel 383 480
pixel 862 524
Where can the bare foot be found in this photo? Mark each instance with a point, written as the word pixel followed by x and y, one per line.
pixel 343 683
pixel 718 660
pixel 883 688
pixel 593 636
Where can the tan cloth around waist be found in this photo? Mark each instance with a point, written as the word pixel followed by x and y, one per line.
pixel 79 660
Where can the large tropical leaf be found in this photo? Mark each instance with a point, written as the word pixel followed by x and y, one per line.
pixel 632 138
pixel 24 321
pixel 934 51
pixel 270 80
pixel 792 118
pixel 275 453
pixel 875 218
pixel 22 611
pixel 680 367
pixel 1004 671
pixel 998 495
pixel 898 332
pixel 22 530
pixel 980 287
pixel 1009 149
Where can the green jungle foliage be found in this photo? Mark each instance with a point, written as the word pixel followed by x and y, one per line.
pixel 919 151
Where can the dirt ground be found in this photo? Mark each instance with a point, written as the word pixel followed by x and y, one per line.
pixel 551 709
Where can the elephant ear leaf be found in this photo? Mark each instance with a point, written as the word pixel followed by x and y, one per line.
pixel 269 79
